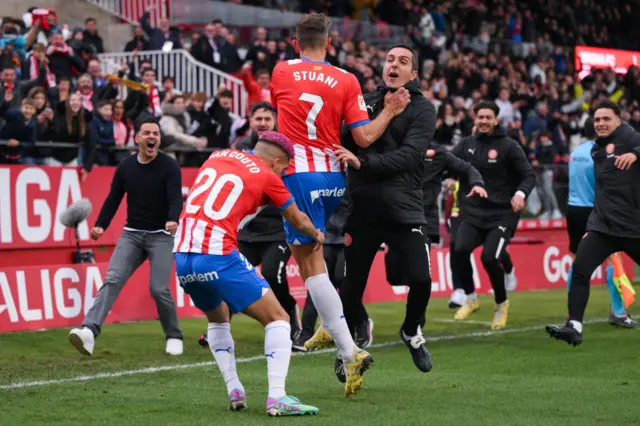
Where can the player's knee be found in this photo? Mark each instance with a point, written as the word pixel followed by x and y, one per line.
pixel 114 277
pixel 158 293
pixel 489 259
pixel 461 247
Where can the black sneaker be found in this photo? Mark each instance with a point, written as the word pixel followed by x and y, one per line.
pixel 364 334
pixel 566 333
pixel 202 341
pixel 419 353
pixel 624 321
pixel 296 325
pixel 298 341
pixel 341 373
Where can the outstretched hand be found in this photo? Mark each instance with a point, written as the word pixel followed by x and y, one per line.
pixel 479 191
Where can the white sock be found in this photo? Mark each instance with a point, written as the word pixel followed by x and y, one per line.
pixel 277 351
pixel 223 350
pixel 329 307
pixel 576 325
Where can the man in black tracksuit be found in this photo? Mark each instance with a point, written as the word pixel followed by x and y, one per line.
pixel 439 162
pixel 508 179
pixel 614 224
pixel 385 185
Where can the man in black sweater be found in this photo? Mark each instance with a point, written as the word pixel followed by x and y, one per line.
pixel 153 184
pixel 614 224
pixel 385 185
pixel 490 222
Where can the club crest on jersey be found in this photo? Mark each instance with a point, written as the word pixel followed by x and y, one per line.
pixel 361 103
pixel 493 154
pixel 347 239
pixel 610 150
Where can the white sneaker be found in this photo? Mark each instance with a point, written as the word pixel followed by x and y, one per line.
pixel 457 299
pixel 510 280
pixel 556 215
pixel 174 347
pixel 545 216
pixel 83 340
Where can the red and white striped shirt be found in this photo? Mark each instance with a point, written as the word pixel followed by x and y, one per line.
pixel 312 100
pixel 232 187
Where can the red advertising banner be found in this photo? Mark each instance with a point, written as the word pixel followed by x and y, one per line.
pixel 34 297
pixel 595 57
pixel 32 198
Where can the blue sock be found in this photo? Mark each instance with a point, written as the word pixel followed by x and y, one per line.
pixel 617 305
pixel 569 279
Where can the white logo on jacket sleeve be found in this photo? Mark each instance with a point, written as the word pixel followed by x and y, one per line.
pixel 361 103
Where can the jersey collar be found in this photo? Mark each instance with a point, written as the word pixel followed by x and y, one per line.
pixel 314 62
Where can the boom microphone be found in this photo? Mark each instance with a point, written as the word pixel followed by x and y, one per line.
pixel 73 215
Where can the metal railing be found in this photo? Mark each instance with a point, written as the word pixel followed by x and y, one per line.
pixel 200 12
pixel 189 74
pixel 131 10
pixel 126 148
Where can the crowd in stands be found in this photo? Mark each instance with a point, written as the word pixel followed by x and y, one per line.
pixel 512 52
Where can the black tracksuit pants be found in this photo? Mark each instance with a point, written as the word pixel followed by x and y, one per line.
pixel 494 242
pixel 408 243
pixel 461 268
pixel 594 248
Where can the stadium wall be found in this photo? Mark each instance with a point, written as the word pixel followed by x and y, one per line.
pixel 40 288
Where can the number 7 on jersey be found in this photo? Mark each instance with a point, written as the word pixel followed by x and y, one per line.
pixel 318 103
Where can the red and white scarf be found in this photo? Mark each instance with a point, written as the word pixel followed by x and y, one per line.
pixel 34 71
pixel 154 95
pixel 87 102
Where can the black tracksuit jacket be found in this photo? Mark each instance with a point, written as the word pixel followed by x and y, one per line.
pixel 504 169
pixel 387 189
pixel 617 202
pixel 438 163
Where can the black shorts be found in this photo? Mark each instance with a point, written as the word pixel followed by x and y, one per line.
pixel 577 218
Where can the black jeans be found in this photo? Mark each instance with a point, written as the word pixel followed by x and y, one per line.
pixel 273 256
pixel 594 248
pixel 408 244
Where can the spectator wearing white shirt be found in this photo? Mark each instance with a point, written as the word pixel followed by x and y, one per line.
pixel 506 108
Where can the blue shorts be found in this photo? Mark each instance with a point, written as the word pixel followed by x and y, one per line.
pixel 211 279
pixel 318 194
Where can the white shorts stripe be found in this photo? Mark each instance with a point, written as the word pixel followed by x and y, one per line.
pixel 500 245
pixel 178 236
pixel 197 236
pixel 216 242
pixel 186 243
pixel 334 164
pixel 300 161
pixel 319 159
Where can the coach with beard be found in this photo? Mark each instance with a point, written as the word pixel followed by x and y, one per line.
pixel 384 182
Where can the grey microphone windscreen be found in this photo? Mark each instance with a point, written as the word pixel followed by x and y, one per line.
pixel 76 213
